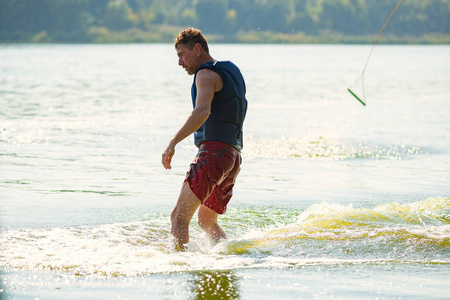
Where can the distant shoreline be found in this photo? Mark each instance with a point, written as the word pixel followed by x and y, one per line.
pixel 132 36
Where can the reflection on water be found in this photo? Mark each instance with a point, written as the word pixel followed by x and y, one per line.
pixel 324 148
pixel 215 285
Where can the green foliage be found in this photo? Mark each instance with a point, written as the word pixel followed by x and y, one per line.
pixel 119 16
pixel 262 21
pixel 41 37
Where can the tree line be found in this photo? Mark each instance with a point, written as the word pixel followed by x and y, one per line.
pixel 223 20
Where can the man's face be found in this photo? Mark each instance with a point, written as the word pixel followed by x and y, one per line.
pixel 187 59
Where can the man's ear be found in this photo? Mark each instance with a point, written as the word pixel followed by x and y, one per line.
pixel 198 49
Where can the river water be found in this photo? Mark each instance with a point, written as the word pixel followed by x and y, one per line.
pixel 334 199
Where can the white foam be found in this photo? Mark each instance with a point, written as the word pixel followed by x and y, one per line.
pixel 324 233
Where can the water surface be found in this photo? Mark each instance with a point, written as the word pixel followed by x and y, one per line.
pixel 334 199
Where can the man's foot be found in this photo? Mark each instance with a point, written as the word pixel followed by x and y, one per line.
pixel 180 247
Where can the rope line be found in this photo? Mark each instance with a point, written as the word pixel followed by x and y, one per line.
pixel 370 54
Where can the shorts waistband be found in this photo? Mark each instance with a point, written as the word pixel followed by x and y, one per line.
pixel 214 145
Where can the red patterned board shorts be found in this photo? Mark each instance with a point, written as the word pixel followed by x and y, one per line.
pixel 212 174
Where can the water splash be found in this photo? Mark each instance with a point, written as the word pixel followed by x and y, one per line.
pixel 325 233
pixel 418 231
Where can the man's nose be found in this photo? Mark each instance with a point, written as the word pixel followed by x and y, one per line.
pixel 180 62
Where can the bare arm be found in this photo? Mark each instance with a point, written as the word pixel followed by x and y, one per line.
pixel 208 82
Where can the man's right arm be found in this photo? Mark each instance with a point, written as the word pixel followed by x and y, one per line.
pixel 207 83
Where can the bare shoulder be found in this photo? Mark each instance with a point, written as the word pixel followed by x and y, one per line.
pixel 210 78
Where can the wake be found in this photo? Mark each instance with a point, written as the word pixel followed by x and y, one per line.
pixel 325 233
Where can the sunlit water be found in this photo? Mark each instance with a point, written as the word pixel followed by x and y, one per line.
pixel 334 200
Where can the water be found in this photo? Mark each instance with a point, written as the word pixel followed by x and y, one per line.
pixel 334 200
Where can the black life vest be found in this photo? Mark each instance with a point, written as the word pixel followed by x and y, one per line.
pixel 228 107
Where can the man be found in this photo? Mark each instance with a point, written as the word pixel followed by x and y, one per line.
pixel 218 97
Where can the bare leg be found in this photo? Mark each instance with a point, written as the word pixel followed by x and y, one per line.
pixel 207 219
pixel 182 214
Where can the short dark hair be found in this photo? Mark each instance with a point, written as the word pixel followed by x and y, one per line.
pixel 190 37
